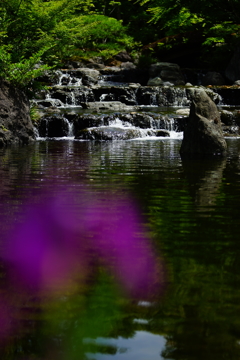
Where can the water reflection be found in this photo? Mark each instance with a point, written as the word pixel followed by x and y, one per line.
pixel 205 178
pixel 80 250
pixel 198 316
pixel 143 345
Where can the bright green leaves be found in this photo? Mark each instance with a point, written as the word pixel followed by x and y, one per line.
pixel 23 72
pixel 53 31
pixel 186 18
pixel 183 22
pixel 90 35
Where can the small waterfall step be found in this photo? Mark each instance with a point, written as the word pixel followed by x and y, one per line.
pixel 158 96
pixel 121 125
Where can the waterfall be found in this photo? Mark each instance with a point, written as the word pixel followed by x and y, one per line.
pixel 70 128
pixel 65 78
pixel 36 132
pixel 133 108
pixel 169 124
pixel 72 98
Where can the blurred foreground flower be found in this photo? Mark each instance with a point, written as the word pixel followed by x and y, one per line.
pixel 56 250
pixel 61 238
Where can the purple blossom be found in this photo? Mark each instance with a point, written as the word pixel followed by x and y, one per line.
pixel 60 239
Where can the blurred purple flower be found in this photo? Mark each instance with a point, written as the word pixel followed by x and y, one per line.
pixel 60 238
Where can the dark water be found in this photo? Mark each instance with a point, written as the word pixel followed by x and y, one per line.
pixel 191 210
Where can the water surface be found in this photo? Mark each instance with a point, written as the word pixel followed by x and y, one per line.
pixel 191 211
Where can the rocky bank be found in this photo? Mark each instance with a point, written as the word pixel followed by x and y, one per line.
pixel 16 126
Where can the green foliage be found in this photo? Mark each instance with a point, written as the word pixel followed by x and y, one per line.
pixel 185 24
pixel 23 72
pixel 102 30
pixel 189 15
pixel 34 114
pixel 52 31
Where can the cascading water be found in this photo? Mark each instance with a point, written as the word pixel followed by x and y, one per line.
pixel 70 129
pixel 64 78
pixel 55 126
pixel 66 102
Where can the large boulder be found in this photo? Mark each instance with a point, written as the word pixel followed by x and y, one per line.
pixel 203 134
pixel 15 123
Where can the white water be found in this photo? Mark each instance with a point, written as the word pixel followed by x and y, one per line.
pixel 67 79
pixel 144 134
pixel 71 98
pixel 169 124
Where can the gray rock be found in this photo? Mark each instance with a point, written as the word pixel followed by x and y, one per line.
pixel 123 56
pixel 89 80
pixel 95 65
pixel 88 72
pixel 157 81
pixel 184 112
pixel 107 105
pixel 213 95
pixel 167 72
pixel 82 122
pixel 128 66
pixel 108 70
pixel 108 133
pixel 140 120
pixel 167 83
pixel 15 123
pixel 203 134
pixel 227 117
pixel 134 85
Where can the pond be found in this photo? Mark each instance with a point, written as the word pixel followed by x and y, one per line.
pixel 188 211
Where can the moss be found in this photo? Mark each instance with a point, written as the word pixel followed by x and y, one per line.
pixel 3 128
pixel 34 114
